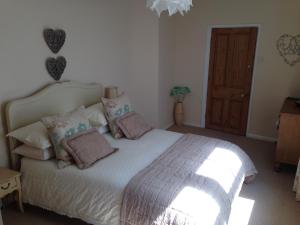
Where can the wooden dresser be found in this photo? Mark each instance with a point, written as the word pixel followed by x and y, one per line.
pixel 288 145
pixel 1 222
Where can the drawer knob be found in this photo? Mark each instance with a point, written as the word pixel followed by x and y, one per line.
pixel 5 188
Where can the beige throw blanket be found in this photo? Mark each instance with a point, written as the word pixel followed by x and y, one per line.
pixel 193 183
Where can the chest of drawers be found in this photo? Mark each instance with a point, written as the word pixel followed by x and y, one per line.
pixel 288 145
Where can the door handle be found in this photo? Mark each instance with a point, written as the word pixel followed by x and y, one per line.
pixel 243 95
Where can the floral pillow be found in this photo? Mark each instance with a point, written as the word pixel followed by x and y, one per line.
pixel 115 108
pixel 65 126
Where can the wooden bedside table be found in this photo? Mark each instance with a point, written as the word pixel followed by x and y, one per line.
pixel 10 182
pixel 1 221
pixel 297 183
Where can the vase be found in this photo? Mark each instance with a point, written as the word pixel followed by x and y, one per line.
pixel 178 113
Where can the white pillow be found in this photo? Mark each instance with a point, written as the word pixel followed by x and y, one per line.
pixel 103 129
pixel 34 153
pixel 34 135
pixel 96 116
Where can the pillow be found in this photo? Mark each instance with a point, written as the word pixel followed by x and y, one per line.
pixel 34 135
pixel 103 129
pixel 115 108
pixel 96 116
pixel 64 126
pixel 87 147
pixel 34 153
pixel 133 125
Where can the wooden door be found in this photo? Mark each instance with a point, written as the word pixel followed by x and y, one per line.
pixel 232 56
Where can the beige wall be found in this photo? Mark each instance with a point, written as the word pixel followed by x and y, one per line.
pixel 114 42
pixel 167 48
pixel 152 58
pixel 274 80
pixel 144 61
pixel 96 36
pixel 122 43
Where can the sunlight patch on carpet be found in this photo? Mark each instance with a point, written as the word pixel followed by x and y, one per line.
pixel 241 211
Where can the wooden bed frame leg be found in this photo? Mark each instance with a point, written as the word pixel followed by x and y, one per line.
pixel 277 167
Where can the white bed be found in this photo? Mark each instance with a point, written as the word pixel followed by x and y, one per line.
pixel 98 190
pixel 95 194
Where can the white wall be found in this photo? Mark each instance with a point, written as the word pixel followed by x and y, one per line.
pixel 274 80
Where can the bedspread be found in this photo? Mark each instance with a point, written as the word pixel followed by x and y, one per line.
pixel 193 183
pixel 93 195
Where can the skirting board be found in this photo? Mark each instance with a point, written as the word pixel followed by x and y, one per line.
pixel 166 127
pixel 262 138
pixel 193 125
pixel 249 135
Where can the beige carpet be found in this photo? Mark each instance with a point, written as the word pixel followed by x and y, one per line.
pixel 271 192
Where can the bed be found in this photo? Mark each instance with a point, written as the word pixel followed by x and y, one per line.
pixel 101 194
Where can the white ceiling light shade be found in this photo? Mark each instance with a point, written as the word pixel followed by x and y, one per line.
pixel 173 6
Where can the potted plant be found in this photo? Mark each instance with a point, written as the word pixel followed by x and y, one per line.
pixel 179 93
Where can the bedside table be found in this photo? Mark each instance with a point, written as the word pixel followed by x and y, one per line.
pixel 9 183
pixel 297 183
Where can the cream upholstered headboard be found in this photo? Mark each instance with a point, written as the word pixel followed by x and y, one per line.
pixel 51 100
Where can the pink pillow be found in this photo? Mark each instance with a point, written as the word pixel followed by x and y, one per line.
pixel 133 125
pixel 87 147
pixel 34 153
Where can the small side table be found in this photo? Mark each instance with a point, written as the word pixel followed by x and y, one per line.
pixel 9 183
pixel 297 183
pixel 1 221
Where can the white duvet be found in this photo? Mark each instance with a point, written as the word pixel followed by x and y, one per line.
pixel 95 194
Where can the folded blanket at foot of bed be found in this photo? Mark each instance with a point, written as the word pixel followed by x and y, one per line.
pixel 194 182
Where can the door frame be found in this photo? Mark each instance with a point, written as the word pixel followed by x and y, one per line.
pixel 206 70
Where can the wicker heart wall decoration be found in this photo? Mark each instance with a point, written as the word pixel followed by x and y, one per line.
pixel 56 67
pixel 289 48
pixel 55 39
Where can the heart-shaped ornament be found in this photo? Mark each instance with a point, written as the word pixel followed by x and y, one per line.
pixel 56 67
pixel 289 48
pixel 55 39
